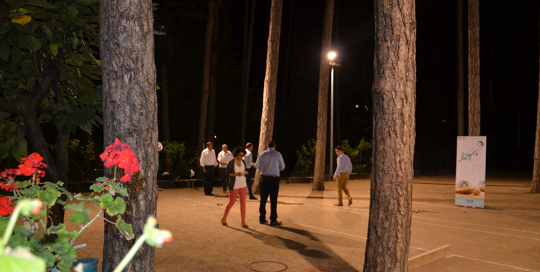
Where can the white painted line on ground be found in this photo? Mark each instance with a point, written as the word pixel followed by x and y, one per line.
pixel 484 261
pixel 488 232
pixel 415 216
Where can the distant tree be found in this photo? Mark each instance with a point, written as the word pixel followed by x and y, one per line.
pixel 248 36
pixel 270 83
pixel 536 172
pixel 460 72
pixel 394 131
pixel 130 114
pixel 211 124
pixel 203 115
pixel 322 109
pixel 165 87
pixel 47 75
pixel 474 68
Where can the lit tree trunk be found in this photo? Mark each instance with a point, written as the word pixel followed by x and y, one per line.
pixel 245 79
pixel 270 83
pixel 474 68
pixel 536 172
pixel 394 98
pixel 322 110
pixel 211 126
pixel 203 115
pixel 165 88
pixel 460 72
pixel 130 114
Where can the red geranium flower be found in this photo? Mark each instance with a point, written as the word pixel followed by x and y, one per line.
pixel 9 187
pixel 5 206
pixel 121 155
pixel 9 176
pixel 31 165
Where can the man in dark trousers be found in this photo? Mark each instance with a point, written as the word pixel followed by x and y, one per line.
pixel 208 164
pixel 270 163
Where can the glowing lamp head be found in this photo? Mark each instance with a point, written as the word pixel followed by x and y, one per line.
pixel 332 55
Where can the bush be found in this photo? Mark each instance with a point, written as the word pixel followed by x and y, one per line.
pixel 172 160
pixel 306 157
pixel 361 156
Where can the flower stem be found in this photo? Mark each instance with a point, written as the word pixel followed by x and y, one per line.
pixel 92 221
pixel 9 228
pixel 131 253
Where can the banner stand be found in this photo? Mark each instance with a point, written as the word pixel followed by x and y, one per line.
pixel 470 171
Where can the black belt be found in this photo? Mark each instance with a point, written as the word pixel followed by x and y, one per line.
pixel 265 176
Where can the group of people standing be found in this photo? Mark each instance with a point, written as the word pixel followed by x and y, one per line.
pixel 235 175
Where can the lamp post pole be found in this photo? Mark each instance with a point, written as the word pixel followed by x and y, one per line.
pixel 331 119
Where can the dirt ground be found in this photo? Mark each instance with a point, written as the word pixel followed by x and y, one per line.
pixel 505 236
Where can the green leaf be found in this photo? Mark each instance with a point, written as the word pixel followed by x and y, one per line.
pixel 76 207
pixel 16 154
pixel 80 217
pixel 41 4
pixel 66 260
pixel 125 229
pixel 23 184
pixel 10 129
pixel 54 48
pixel 49 259
pixel 23 147
pixel 49 196
pixel 4 115
pixel 4 30
pixel 113 207
pixel 72 12
pixel 4 51
pixel 45 117
pixel 3 225
pixel 22 260
pixel 86 127
pixel 36 43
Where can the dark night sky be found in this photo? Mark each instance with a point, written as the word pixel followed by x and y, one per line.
pixel 509 76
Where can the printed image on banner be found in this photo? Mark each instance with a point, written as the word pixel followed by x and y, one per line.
pixel 471 171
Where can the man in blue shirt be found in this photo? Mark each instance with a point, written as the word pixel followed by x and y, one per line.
pixel 343 169
pixel 270 163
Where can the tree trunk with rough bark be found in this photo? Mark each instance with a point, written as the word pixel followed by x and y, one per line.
pixel 460 72
pixel 270 83
pixel 165 88
pixel 322 109
pixel 535 188
pixel 394 98
pixel 474 68
pixel 211 127
pixel 130 114
pixel 245 79
pixel 203 115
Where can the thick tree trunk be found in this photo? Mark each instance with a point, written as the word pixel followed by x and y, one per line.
pixel 394 98
pixel 270 83
pixel 322 109
pixel 535 188
pixel 474 68
pixel 165 88
pixel 245 79
pixel 337 112
pixel 203 115
pixel 211 126
pixel 460 72
pixel 130 114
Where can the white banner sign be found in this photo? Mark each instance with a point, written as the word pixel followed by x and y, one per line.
pixel 471 171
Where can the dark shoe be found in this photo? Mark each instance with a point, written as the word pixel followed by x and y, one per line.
pixel 252 197
pixel 350 201
pixel 338 204
pixel 224 221
pixel 209 194
pixel 263 222
pixel 275 223
pixel 224 191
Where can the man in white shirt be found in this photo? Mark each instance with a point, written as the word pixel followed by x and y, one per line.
pixel 224 157
pixel 208 164
pixel 248 158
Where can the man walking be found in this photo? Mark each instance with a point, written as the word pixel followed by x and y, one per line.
pixel 224 157
pixel 248 158
pixel 270 162
pixel 343 169
pixel 208 164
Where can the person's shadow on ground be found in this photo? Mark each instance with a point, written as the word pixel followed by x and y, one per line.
pixel 320 256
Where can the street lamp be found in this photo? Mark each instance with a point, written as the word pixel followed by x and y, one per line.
pixel 331 56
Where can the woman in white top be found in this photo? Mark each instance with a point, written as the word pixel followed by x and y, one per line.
pixel 236 169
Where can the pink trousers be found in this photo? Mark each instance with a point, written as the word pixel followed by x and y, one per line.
pixel 232 200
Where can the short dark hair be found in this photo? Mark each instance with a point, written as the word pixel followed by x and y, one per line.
pixel 237 151
pixel 271 144
pixel 209 143
pixel 339 148
pixel 248 145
